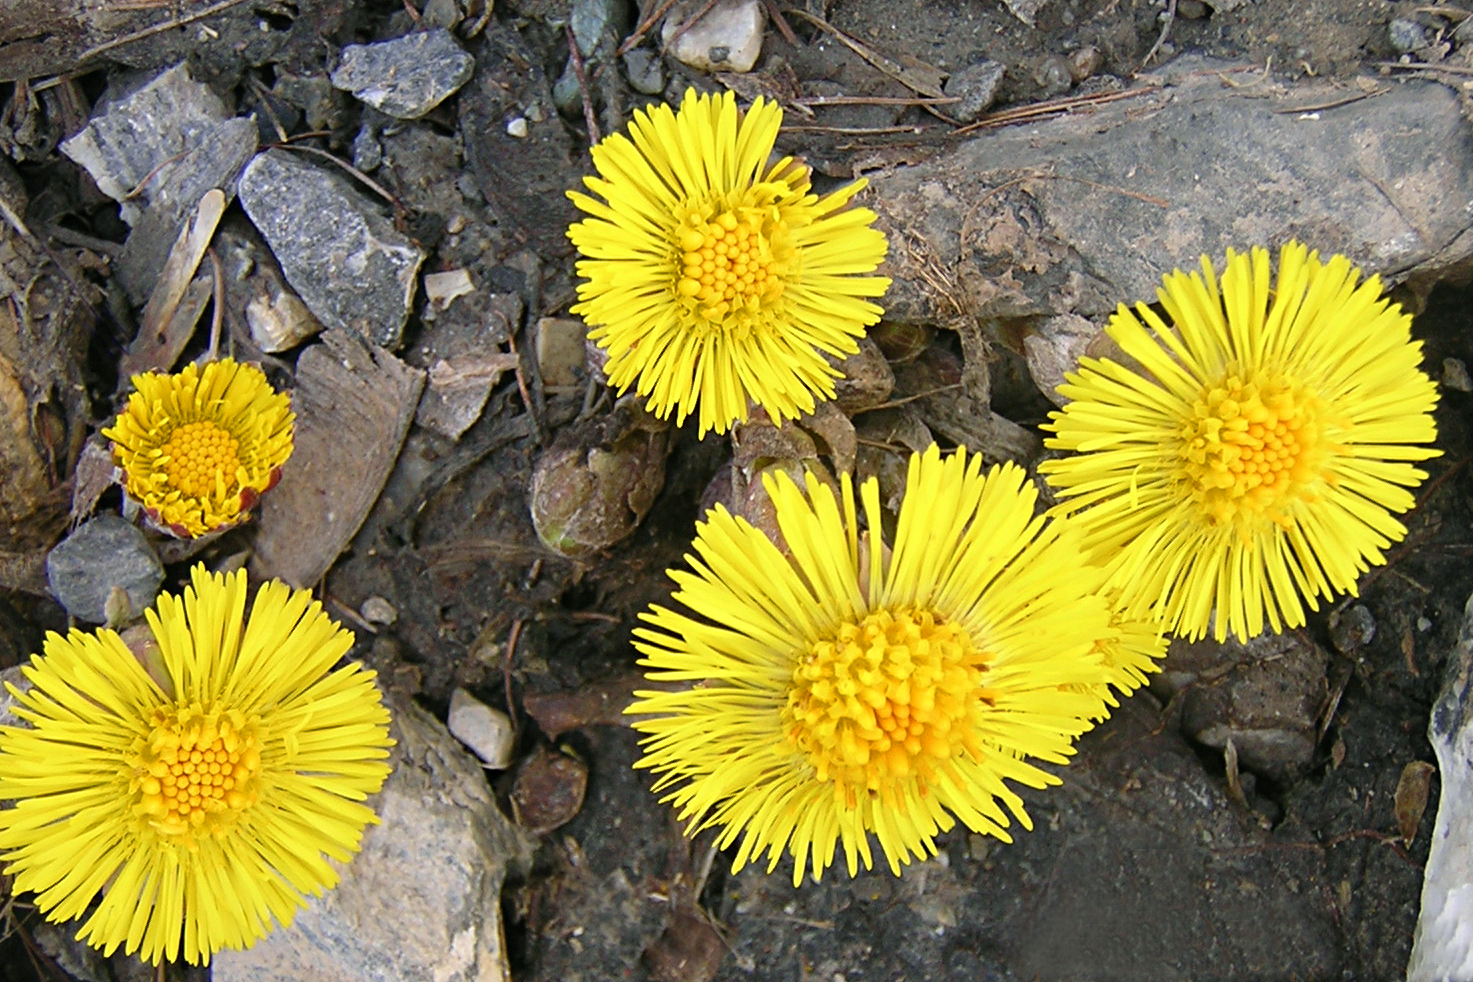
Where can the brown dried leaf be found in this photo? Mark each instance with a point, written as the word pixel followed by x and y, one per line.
pixel 689 950
pixel 1411 798
pixel 549 791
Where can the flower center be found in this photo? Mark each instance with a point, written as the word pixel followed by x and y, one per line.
pixel 1254 443
pixel 892 698
pixel 196 771
pixel 731 262
pixel 199 454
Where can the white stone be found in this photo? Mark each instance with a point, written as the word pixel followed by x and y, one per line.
pixel 486 731
pixel 422 900
pixel 727 39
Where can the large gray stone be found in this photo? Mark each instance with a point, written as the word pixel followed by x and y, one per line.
pixel 1442 950
pixel 103 555
pixel 350 266
pixel 423 898
pixel 405 77
pixel 1079 213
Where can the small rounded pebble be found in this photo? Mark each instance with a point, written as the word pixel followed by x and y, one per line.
pixel 1407 35
pixel 1192 10
pixel 517 127
pixel 1352 629
pixel 1054 76
pixel 378 611
pixel 1085 62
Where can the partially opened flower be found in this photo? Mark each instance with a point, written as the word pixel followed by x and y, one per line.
pixel 843 689
pixel 197 449
pixel 180 807
pixel 1250 457
pixel 713 275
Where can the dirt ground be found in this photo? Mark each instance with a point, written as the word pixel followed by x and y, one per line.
pixel 1300 877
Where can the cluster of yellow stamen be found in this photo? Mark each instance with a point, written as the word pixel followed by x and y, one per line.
pixel 730 263
pixel 1252 445
pixel 199 457
pixel 196 770
pixel 890 700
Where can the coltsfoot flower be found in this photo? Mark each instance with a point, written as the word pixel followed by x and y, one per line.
pixel 1251 457
pixel 198 449
pixel 843 689
pixel 189 792
pixel 714 277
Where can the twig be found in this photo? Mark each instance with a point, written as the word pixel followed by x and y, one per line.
pixel 217 315
pixel 575 57
pixel 1161 39
pixel 854 130
pixel 644 26
pixel 873 100
pixel 1426 66
pixel 1021 114
pixel 775 13
pixel 138 189
pixel 512 637
pixel 167 25
pixel 527 394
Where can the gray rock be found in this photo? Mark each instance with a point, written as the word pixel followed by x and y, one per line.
pixel 1084 214
pixel 103 555
pixel 423 898
pixel 486 731
pixel 727 38
pixel 593 20
pixel 138 125
pixel 1264 695
pixel 1352 628
pixel 405 77
pixel 171 139
pixel 346 261
pixel 1054 76
pixel 1406 35
pixel 645 71
pixel 1442 948
pixel 976 87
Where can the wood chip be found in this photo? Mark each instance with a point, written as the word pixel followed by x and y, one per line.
pixel 353 403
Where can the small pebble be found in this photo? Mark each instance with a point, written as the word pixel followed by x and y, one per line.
pixel 104 555
pixel 407 76
pixel 976 88
pixel 486 731
pixel 1407 35
pixel 645 71
pixel 1085 62
pixel 1054 76
pixel 549 791
pixel 378 611
pixel 727 37
pixel 1455 375
pixel 517 127
pixel 1192 9
pixel 1352 629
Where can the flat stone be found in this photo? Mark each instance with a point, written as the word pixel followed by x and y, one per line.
pixel 139 125
pixel 1089 211
pixel 346 261
pixel 559 342
pixel 487 732
pixel 1265 695
pixel 976 88
pixel 727 38
pixel 103 555
pixel 405 77
pixel 422 900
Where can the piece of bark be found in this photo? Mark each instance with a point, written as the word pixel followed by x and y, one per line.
pixel 354 403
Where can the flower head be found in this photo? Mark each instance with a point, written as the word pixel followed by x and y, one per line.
pixel 713 276
pixel 198 798
pixel 197 449
pixel 846 690
pixel 1254 451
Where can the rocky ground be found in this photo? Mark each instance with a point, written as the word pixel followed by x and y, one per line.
pixel 1034 162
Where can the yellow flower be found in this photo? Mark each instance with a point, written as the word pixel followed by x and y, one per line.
pixel 198 798
pixel 845 690
pixel 199 448
pixel 1130 650
pixel 714 277
pixel 1253 450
